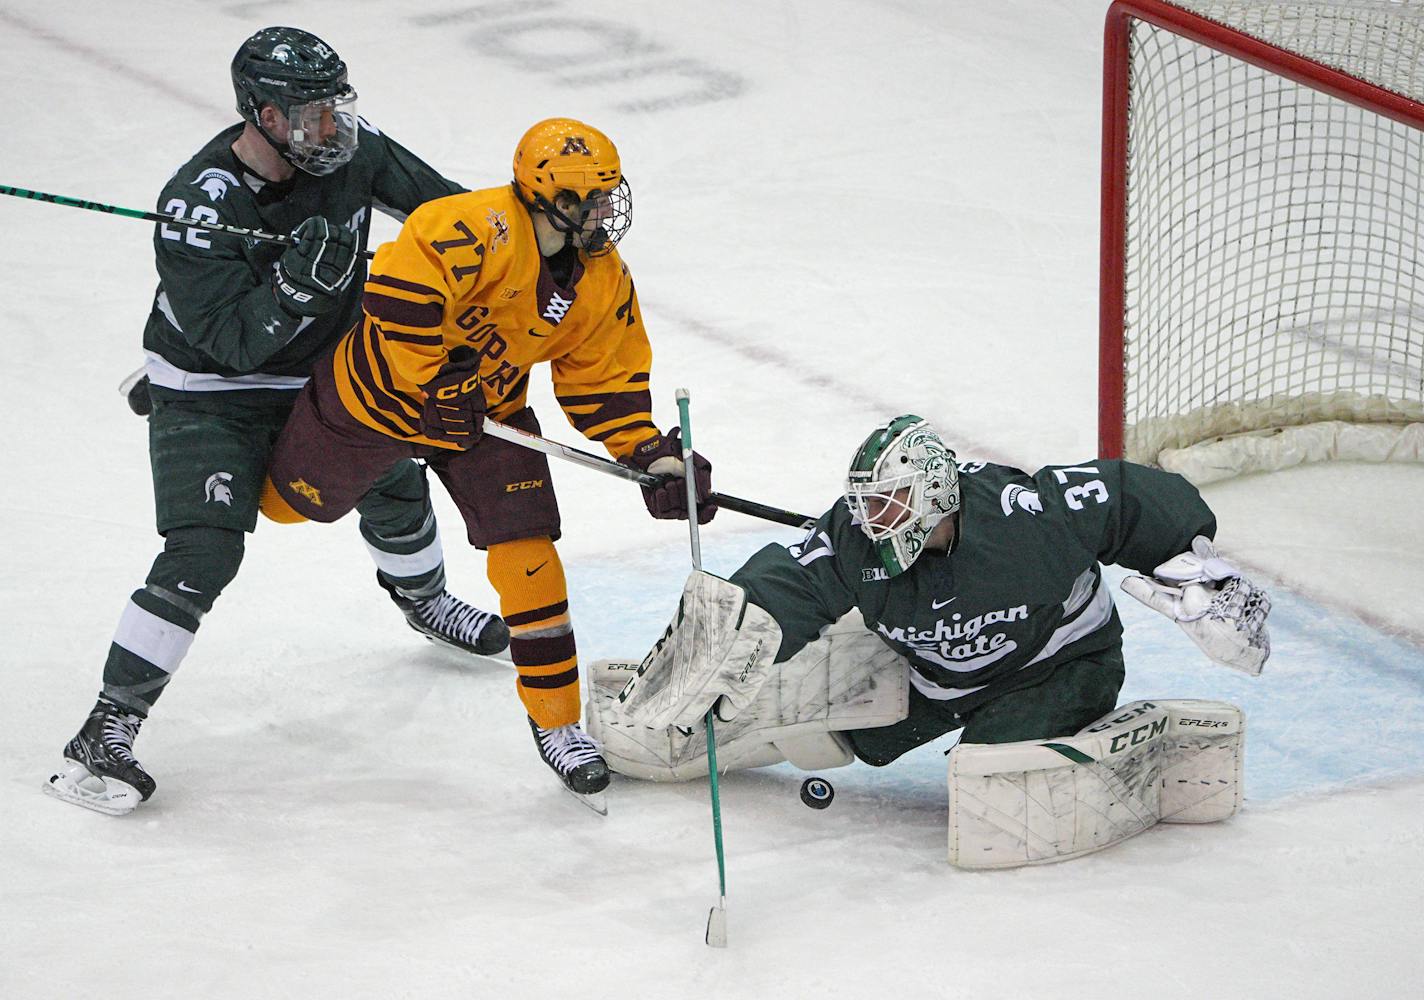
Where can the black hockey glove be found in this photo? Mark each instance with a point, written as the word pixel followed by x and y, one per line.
pixel 661 455
pixel 315 270
pixel 454 408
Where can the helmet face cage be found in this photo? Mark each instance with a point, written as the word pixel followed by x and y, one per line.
pixel 902 482
pixel 611 215
pixel 305 80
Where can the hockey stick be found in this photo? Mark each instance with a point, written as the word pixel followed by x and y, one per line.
pixel 716 935
pixel 528 439
pixel 171 220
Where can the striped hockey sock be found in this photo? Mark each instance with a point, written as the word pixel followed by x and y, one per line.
pixel 534 601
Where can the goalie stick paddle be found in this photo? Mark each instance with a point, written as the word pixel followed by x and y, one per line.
pixel 716 935
pixel 171 220
pixel 528 439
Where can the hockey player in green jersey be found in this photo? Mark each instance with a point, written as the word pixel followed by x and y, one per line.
pixel 978 584
pixel 235 330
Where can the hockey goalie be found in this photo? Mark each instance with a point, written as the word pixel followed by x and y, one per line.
pixel 938 597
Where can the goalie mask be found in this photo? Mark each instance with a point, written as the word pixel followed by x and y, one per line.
pixel 570 172
pixel 902 483
pixel 303 78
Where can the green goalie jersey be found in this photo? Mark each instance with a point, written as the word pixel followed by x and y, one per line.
pixel 1021 591
pixel 215 324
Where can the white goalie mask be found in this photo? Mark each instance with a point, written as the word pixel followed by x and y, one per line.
pixel 902 482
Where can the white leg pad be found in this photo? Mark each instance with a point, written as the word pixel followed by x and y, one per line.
pixel 1203 754
pixel 848 679
pixel 1037 801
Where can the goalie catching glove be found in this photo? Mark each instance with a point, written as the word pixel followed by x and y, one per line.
pixel 1222 611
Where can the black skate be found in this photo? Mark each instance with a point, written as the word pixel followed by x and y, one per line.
pixel 100 771
pixel 446 619
pixel 573 755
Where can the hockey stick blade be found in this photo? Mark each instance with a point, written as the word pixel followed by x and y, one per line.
pixel 717 927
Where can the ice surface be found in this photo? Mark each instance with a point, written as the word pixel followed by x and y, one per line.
pixel 843 211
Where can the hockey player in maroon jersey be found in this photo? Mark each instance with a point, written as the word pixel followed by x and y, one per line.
pixel 479 290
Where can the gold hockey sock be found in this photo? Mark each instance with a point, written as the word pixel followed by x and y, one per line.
pixel 534 602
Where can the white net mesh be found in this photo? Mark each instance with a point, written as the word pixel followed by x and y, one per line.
pixel 1274 232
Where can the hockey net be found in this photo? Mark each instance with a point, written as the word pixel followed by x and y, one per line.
pixel 1262 293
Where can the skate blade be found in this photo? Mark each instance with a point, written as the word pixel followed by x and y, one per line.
pixel 501 658
pixel 74 784
pixel 596 801
pixel 716 927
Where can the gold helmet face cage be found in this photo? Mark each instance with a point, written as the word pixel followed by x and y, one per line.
pixel 562 154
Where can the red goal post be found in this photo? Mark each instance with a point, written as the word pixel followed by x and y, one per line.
pixel 1262 233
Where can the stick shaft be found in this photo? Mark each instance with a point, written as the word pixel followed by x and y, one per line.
pixel 685 422
pixel 133 213
pixel 528 439
pixel 689 478
pixel 511 434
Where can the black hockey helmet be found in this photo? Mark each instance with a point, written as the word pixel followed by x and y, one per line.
pixel 303 78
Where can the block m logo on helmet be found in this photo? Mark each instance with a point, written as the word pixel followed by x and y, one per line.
pixel 575 145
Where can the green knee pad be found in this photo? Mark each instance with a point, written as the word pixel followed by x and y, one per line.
pixel 196 564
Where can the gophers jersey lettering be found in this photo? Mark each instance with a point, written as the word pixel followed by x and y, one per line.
pixel 466 272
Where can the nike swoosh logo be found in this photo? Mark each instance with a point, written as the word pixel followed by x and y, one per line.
pixel 531 572
pixel 535 333
pixel 183 586
pixel 939 604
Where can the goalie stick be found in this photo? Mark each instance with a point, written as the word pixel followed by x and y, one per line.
pixel 170 220
pixel 716 935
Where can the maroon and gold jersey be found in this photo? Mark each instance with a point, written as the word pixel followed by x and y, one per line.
pixel 466 272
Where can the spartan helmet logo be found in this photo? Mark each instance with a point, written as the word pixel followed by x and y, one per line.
pixel 575 144
pixel 217 488
pixel 283 53
pixel 215 183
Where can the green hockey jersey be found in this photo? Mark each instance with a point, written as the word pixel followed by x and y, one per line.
pixel 1021 590
pixel 215 324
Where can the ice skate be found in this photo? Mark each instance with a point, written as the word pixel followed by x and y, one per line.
pixel 100 771
pixel 574 757
pixel 449 621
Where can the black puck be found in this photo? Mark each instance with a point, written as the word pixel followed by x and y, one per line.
pixel 817 792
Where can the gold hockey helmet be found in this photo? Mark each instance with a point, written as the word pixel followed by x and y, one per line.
pixel 561 154
pixel 564 155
